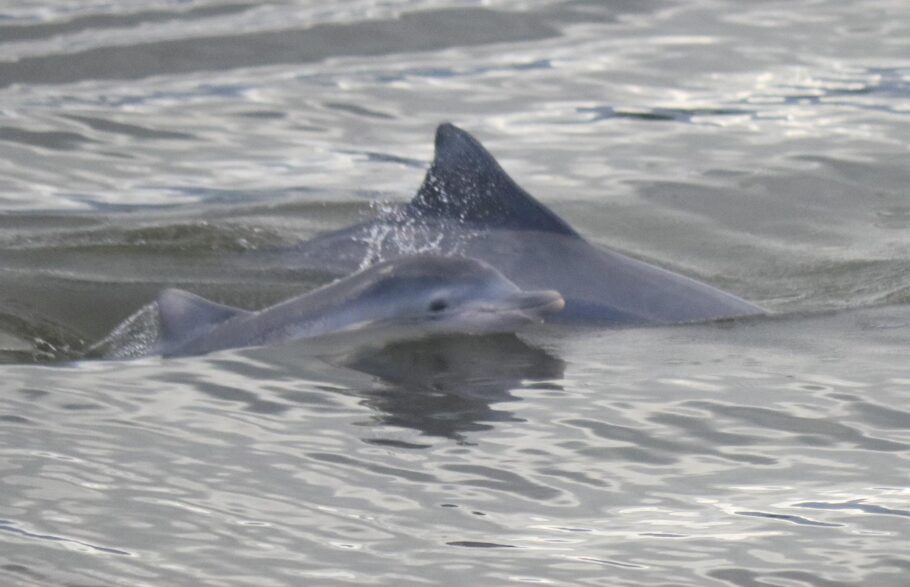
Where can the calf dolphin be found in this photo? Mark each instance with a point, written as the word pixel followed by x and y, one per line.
pixel 469 206
pixel 400 299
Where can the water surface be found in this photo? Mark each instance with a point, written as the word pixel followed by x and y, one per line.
pixel 753 145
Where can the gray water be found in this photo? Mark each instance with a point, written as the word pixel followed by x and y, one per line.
pixel 759 146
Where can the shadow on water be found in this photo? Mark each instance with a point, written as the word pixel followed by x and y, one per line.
pixel 448 386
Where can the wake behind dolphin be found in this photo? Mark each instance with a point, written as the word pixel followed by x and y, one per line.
pixel 400 299
pixel 468 205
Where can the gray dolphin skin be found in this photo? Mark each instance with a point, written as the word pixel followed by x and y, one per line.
pixel 401 299
pixel 469 206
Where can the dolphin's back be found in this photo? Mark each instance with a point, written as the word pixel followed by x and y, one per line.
pixel 601 286
pixel 468 205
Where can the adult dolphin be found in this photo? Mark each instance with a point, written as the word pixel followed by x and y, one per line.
pixel 400 299
pixel 469 206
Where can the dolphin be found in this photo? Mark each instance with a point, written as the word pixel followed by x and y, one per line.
pixel 468 205
pixel 400 299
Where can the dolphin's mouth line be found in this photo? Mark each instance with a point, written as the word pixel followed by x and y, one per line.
pixel 551 307
pixel 537 302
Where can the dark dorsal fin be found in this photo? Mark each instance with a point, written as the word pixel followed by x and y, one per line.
pixel 466 183
pixel 183 315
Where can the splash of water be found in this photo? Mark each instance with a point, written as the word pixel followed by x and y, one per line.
pixel 398 233
pixel 134 337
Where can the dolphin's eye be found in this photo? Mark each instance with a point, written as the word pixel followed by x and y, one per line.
pixel 438 305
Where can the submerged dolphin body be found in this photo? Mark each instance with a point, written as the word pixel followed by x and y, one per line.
pixel 469 206
pixel 401 299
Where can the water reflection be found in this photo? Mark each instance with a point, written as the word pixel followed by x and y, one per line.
pixel 445 386
pixel 448 386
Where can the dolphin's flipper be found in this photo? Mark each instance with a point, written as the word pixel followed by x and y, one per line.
pixel 466 184
pixel 183 315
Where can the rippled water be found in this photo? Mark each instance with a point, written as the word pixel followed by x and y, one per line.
pixel 759 146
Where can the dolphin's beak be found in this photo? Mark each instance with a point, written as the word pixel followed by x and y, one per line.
pixel 537 304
